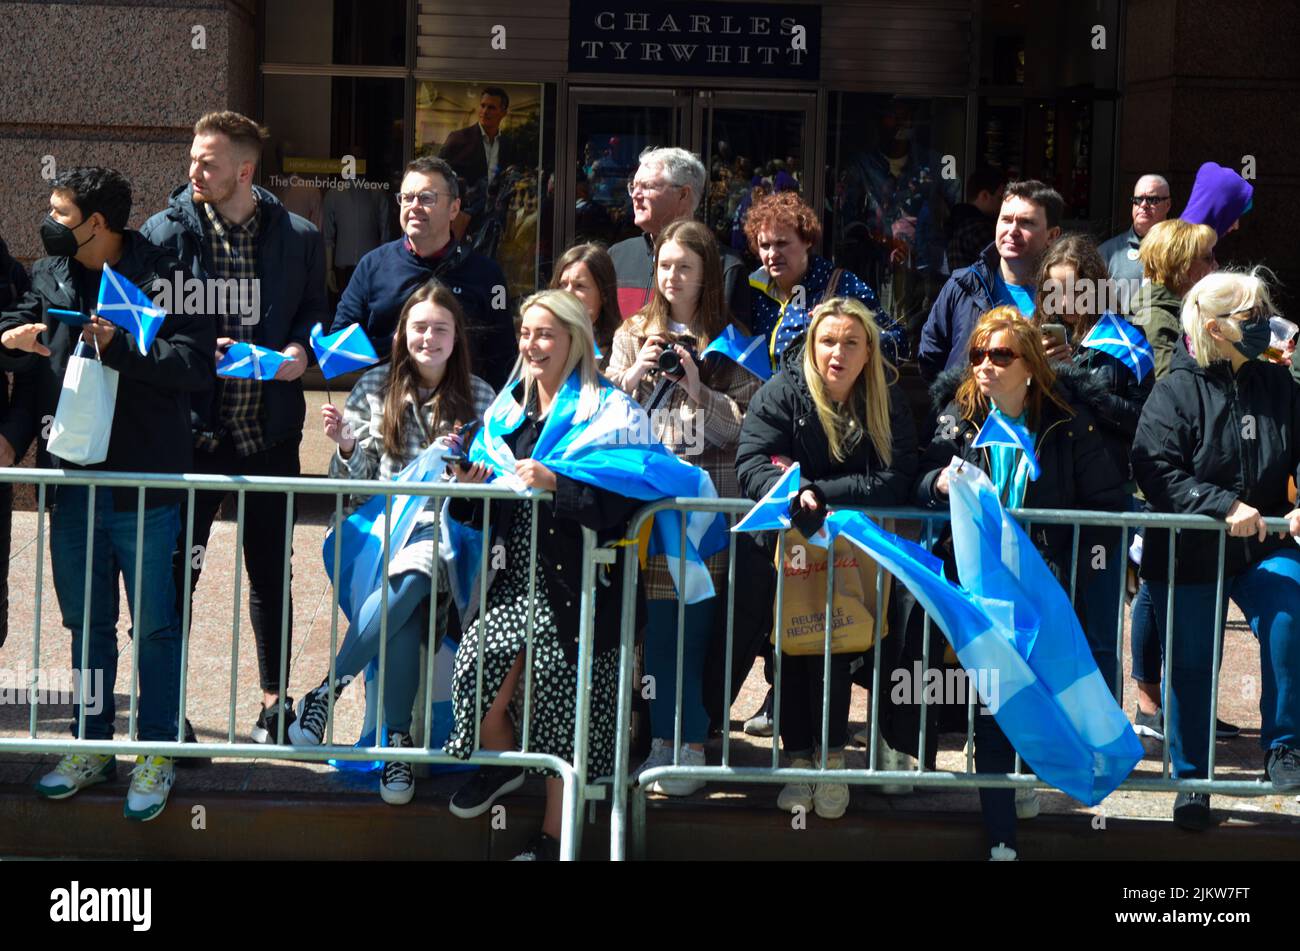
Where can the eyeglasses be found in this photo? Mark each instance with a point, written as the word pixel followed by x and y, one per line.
pixel 1001 356
pixel 650 188
pixel 1151 200
pixel 423 199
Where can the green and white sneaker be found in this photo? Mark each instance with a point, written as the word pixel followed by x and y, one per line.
pixel 74 773
pixel 151 782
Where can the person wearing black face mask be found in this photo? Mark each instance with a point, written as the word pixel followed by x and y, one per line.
pixel 1220 436
pixel 86 229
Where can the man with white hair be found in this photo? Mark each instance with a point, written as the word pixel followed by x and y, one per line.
pixel 1150 206
pixel 667 185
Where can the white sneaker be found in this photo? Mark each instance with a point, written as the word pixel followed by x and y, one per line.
pixel 1000 853
pixel 682 786
pixel 74 773
pixel 760 724
pixel 796 794
pixel 1027 802
pixel 661 754
pixel 397 781
pixel 890 759
pixel 831 800
pixel 151 783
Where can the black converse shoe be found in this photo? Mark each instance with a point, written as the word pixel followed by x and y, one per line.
pixel 308 729
pixel 267 728
pixel 397 783
pixel 542 848
pixel 484 788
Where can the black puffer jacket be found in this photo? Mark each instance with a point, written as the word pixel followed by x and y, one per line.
pixel 17 412
pixel 1207 438
pixel 782 421
pixel 1116 401
pixel 1077 471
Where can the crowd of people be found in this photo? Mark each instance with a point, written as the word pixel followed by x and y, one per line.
pixel 1211 428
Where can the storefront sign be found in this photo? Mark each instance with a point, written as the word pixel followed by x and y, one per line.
pixel 768 40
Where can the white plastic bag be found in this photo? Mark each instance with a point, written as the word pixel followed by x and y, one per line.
pixel 83 421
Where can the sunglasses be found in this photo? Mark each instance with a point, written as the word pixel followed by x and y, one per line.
pixel 1152 200
pixel 1001 356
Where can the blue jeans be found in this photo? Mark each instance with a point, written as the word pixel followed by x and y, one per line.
pixel 406 624
pixel 156 626
pixel 1268 594
pixel 1099 595
pixel 1144 634
pixel 661 664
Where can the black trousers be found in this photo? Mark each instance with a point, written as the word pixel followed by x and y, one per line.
pixel 264 546
pixel 6 523
pixel 801 702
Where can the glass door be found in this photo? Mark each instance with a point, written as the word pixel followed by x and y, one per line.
pixel 608 130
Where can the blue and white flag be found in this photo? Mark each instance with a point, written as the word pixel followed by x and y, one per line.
pixel 772 511
pixel 248 361
pixel 126 305
pixel 1127 344
pixel 338 353
pixel 1054 704
pixel 361 562
pixel 1000 431
pixel 615 449
pixel 749 352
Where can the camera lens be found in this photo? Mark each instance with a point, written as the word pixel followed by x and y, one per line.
pixel 670 362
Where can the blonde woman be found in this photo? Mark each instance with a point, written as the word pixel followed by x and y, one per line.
pixel 832 409
pixel 695 410
pixel 1175 255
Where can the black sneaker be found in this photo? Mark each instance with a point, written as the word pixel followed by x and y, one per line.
pixel 1192 811
pixel 397 782
pixel 191 762
pixel 267 727
pixel 487 785
pixel 1283 768
pixel 1225 730
pixel 542 848
pixel 1149 724
pixel 308 728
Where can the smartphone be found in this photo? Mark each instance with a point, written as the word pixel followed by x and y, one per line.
pixel 73 318
pixel 1058 333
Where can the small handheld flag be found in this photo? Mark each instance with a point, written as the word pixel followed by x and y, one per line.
pixel 1000 431
pixel 248 361
pixel 1126 343
pixel 749 352
pixel 126 305
pixel 772 511
pixel 342 352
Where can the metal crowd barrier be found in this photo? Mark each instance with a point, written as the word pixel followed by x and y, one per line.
pixel 573 775
pixel 1127 523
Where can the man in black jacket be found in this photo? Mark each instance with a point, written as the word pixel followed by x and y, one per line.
pixel 227 230
pixel 17 422
pixel 85 230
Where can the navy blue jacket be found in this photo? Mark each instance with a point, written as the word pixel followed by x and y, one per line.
pixel 966 295
pixel 389 274
pixel 291 276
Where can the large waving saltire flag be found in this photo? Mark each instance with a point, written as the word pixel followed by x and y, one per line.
pixel 248 361
pixel 126 305
pixel 1000 431
pixel 749 352
pixel 1127 344
pixel 616 450
pixel 1056 708
pixel 338 353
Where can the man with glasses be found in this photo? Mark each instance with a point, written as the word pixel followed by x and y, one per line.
pixel 429 201
pixel 668 185
pixel 234 235
pixel 1151 206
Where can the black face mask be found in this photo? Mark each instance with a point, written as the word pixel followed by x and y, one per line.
pixel 1255 339
pixel 61 241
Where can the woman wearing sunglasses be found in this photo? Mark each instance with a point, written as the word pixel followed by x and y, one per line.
pixel 1009 375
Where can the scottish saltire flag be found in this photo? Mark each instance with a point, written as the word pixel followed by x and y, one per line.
pixel 338 353
pixel 361 561
pixel 1054 704
pixel 1000 431
pixel 1126 343
pixel 749 352
pixel 127 306
pixel 772 511
pixel 248 361
pixel 615 449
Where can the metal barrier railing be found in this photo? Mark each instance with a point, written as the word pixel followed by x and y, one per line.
pixel 1126 523
pixel 571 774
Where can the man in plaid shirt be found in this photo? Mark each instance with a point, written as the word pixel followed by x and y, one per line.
pixel 231 231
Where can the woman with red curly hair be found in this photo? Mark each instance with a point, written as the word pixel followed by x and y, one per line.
pixel 782 230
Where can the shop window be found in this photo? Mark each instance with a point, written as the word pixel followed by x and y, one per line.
pixel 895 175
pixel 507 180
pixel 336 32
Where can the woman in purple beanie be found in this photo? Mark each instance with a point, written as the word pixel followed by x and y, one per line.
pixel 1219 197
